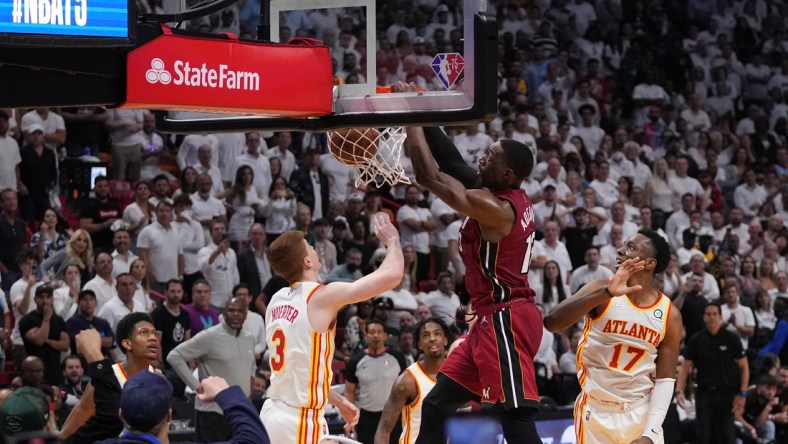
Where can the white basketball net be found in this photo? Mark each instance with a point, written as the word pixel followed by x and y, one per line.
pixel 385 166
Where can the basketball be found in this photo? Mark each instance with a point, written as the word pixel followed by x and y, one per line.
pixel 354 146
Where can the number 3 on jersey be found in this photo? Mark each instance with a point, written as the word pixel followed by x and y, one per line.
pixel 278 355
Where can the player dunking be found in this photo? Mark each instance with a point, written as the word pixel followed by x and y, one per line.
pixel 300 328
pixel 413 385
pixel 495 364
pixel 627 357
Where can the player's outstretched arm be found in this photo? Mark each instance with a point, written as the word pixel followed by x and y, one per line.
pixel 327 300
pixel 494 215
pixel 592 296
pixel 404 389
pixel 449 159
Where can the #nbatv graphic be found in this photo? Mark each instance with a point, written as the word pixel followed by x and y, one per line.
pixel 448 67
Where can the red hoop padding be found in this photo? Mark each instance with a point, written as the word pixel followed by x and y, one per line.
pixel 178 72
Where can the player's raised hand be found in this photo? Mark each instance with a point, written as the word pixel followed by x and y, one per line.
pixel 384 229
pixel 89 344
pixel 617 285
pixel 400 86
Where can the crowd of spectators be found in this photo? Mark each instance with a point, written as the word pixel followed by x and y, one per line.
pixel 670 115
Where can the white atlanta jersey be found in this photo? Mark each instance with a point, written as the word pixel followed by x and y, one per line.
pixel 411 413
pixel 300 357
pixel 616 357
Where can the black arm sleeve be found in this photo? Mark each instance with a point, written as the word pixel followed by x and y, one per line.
pixel 449 159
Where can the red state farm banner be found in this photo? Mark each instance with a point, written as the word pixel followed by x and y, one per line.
pixel 175 72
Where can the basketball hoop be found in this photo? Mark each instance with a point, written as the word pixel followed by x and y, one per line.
pixel 380 167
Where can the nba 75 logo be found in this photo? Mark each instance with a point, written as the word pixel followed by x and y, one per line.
pixel 448 67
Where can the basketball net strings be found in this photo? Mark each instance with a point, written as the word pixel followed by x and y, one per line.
pixel 385 166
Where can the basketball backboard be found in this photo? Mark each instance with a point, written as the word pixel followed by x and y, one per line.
pixel 451 53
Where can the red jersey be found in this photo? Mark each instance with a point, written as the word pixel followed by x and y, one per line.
pixel 498 272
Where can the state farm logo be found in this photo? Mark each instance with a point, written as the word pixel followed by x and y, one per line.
pixel 157 73
pixel 202 76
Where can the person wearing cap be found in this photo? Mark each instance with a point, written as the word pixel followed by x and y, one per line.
pixel 95 417
pixel 354 206
pixel 420 51
pixel 146 413
pixel 37 174
pixel 25 410
pixel 549 209
pixel 370 375
pixel 84 319
pixel 44 334
pixel 52 124
pixel 304 314
pixel 9 156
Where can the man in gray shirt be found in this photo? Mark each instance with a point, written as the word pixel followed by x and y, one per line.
pixel 224 350
pixel 369 376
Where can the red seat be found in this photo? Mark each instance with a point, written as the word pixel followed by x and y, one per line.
pixel 339 338
pixel 338 367
pixel 428 285
pixel 70 217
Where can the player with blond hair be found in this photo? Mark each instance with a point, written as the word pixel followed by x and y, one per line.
pixel 300 329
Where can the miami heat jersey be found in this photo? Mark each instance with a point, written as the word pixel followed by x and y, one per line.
pixel 616 356
pixel 498 272
pixel 411 413
pixel 300 357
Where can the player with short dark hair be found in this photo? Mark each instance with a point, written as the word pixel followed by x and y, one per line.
pixel 494 364
pixel 413 385
pixel 95 416
pixel 632 333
